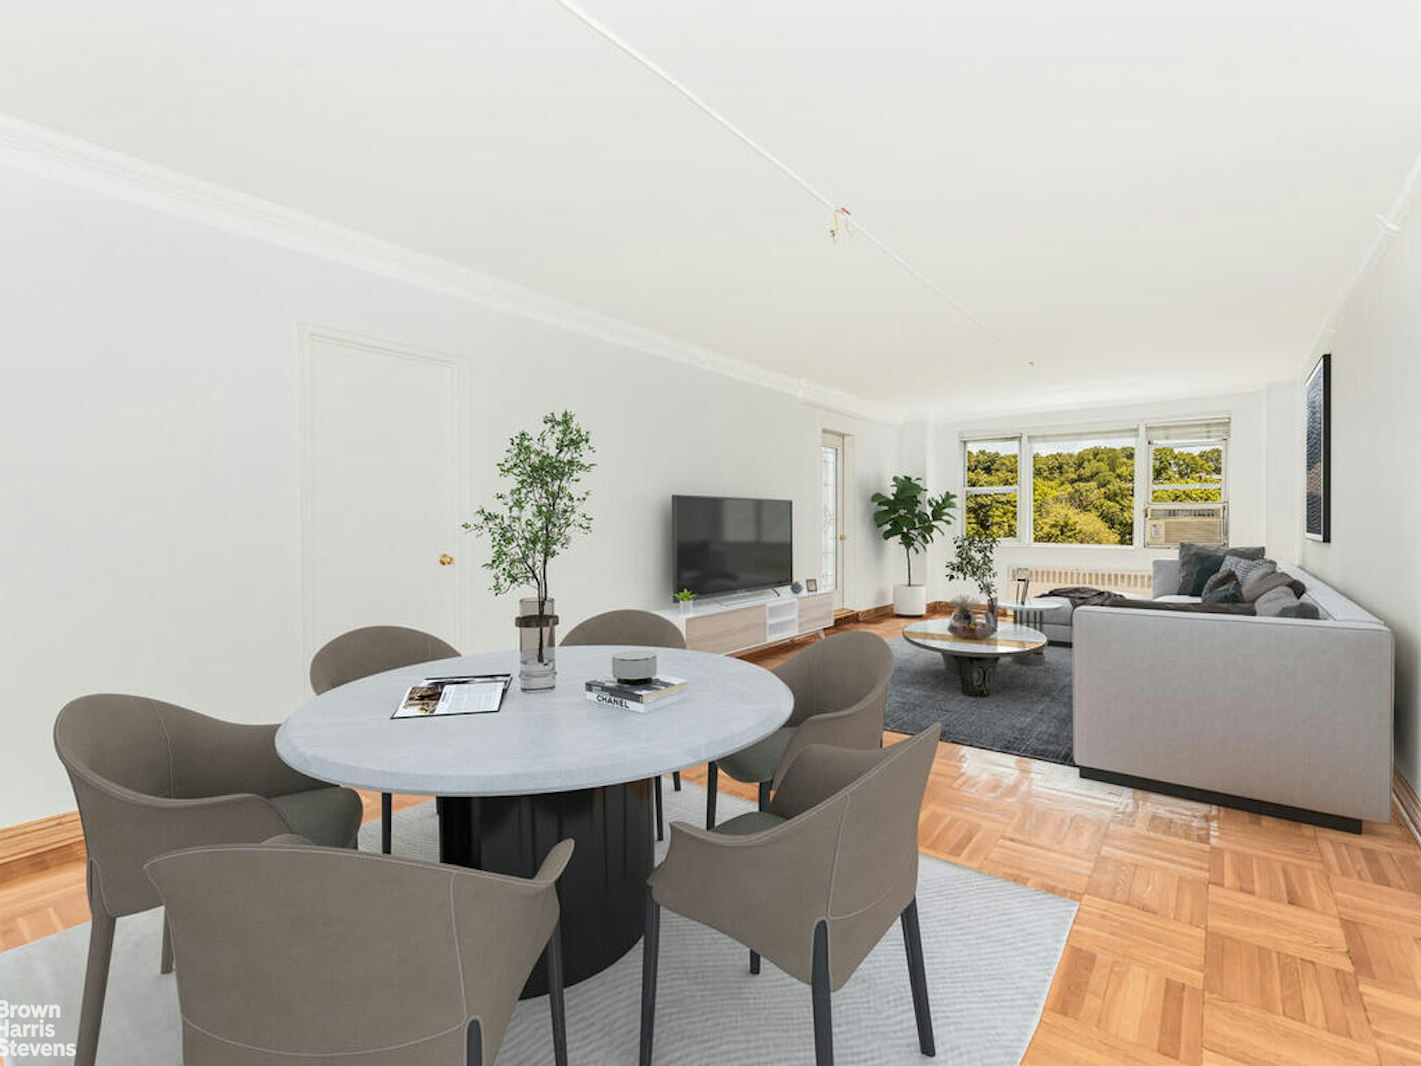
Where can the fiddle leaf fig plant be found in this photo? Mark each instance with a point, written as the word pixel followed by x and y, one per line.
pixel 911 516
pixel 535 518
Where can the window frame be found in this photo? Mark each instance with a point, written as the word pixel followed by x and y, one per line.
pixel 1143 487
pixel 996 490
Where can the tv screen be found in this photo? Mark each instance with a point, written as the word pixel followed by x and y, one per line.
pixel 731 545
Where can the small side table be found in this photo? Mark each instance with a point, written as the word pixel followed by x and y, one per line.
pixel 1032 614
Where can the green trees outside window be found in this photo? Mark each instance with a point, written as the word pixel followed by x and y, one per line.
pixel 1083 491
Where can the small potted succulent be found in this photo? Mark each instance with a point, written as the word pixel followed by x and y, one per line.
pixel 686 599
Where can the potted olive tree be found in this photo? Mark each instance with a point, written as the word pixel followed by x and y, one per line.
pixel 531 523
pixel 974 560
pixel 914 519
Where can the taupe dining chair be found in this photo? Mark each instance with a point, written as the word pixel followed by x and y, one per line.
pixel 639 629
pixel 298 954
pixel 373 650
pixel 812 883
pixel 840 688
pixel 150 777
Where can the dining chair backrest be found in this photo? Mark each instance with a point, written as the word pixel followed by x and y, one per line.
pixel 640 628
pixel 874 874
pixel 150 776
pixel 290 952
pixel 838 672
pixel 373 650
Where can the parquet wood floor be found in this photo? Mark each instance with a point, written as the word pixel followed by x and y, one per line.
pixel 1205 935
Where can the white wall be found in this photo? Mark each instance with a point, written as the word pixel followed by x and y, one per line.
pixel 1250 462
pixel 150 471
pixel 1375 553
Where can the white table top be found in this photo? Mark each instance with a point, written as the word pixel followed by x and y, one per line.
pixel 549 741
pixel 1036 603
pixel 1009 639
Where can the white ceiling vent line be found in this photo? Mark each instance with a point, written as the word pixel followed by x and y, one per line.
pixel 48 153
pixel 769 157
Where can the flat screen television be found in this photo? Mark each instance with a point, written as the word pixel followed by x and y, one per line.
pixel 725 544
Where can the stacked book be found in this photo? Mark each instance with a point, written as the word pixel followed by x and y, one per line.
pixel 634 695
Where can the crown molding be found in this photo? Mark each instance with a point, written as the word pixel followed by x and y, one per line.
pixel 1389 226
pixel 37 149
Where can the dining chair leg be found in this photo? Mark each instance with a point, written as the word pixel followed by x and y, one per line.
pixel 676 780
pixel 917 976
pixel 387 815
pixel 712 780
pixel 660 824
pixel 764 795
pixel 650 945
pixel 819 987
pixel 553 953
pixel 474 1044
pixel 165 965
pixel 754 961
pixel 96 980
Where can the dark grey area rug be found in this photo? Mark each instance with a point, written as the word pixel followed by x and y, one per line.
pixel 1028 712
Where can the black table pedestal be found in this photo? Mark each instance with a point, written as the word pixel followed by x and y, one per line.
pixel 602 891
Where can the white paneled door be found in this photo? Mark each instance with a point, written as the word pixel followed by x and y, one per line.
pixel 383 441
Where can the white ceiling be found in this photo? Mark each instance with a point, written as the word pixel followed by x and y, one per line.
pixel 1143 199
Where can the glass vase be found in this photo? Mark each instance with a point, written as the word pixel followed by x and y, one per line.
pixel 537 644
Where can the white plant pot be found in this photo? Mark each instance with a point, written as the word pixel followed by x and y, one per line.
pixel 911 600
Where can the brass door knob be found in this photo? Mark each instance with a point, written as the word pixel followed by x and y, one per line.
pixel 445 559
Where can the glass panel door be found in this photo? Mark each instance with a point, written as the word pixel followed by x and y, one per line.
pixel 831 492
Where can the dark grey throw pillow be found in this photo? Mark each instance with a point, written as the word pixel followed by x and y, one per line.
pixel 1197 563
pixel 1226 592
pixel 1247 553
pixel 1219 581
pixel 1258 584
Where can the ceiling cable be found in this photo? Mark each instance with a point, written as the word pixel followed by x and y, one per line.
pixel 779 164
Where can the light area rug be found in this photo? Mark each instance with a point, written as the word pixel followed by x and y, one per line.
pixel 991 948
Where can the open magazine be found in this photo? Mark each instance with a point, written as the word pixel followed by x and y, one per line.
pixel 441 696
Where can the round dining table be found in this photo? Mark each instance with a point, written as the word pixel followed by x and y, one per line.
pixel 548 765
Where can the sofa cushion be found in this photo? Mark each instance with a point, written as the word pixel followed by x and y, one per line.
pixel 1282 603
pixel 1259 583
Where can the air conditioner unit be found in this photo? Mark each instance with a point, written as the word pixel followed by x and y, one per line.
pixel 1168 524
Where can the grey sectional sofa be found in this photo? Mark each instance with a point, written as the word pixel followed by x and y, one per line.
pixel 1287 716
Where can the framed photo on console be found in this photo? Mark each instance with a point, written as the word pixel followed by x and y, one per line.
pixel 1317 451
pixel 811 584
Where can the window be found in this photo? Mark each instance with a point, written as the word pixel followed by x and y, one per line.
pixel 993 487
pixel 1083 489
pixel 1187 462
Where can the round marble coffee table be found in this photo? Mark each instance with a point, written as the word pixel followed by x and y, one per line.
pixel 546 766
pixel 976 660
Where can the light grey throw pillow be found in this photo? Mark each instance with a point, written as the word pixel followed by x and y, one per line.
pixel 1281 603
pixel 1247 569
